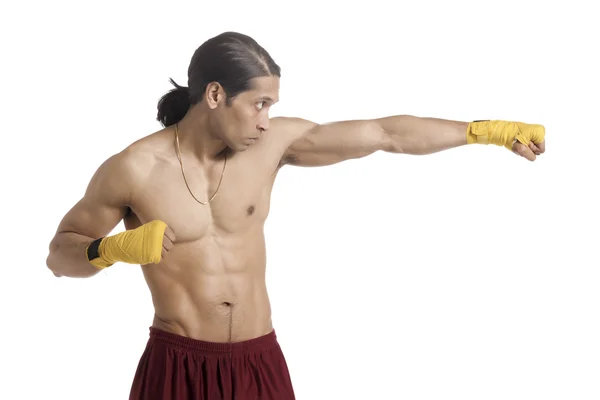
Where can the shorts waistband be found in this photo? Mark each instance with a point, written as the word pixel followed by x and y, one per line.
pixel 188 344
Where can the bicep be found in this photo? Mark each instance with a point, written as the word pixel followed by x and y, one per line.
pixel 103 205
pixel 91 217
pixel 326 144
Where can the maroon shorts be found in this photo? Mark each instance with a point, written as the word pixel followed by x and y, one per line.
pixel 174 367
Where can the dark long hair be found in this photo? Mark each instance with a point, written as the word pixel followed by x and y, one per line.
pixel 232 59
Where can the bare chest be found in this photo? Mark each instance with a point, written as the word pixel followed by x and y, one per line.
pixel 240 202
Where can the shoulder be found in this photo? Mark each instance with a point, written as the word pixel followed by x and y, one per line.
pixel 291 127
pixel 129 167
pixel 147 153
pixel 291 130
pixel 132 161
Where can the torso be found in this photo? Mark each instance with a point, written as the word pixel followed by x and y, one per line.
pixel 211 286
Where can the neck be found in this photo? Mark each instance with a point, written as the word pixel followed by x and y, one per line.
pixel 196 136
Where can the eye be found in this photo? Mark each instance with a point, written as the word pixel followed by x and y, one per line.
pixel 260 105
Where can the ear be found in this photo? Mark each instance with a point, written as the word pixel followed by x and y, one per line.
pixel 214 94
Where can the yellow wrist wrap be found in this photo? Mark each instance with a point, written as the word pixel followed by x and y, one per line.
pixel 142 245
pixel 504 133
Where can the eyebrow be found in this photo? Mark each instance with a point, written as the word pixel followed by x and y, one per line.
pixel 267 98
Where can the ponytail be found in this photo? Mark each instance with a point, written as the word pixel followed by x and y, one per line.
pixel 173 106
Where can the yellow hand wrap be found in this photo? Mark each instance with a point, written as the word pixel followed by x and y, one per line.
pixel 142 245
pixel 504 133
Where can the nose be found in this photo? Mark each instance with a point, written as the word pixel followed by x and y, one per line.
pixel 263 125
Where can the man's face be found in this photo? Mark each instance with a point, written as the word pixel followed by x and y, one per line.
pixel 241 123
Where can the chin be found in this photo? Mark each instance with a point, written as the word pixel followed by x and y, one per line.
pixel 234 145
pixel 241 147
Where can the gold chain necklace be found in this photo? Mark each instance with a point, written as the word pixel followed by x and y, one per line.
pixel 183 172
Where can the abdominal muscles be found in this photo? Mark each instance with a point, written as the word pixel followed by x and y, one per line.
pixel 212 289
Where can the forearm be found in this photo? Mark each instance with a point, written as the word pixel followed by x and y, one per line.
pixel 417 135
pixel 68 256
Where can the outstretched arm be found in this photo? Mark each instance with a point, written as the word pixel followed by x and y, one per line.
pixel 313 144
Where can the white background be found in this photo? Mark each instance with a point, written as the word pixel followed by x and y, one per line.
pixel 467 274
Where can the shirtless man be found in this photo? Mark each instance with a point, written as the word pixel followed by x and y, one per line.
pixel 194 198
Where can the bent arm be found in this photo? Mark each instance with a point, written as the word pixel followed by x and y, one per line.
pixel 313 144
pixel 102 207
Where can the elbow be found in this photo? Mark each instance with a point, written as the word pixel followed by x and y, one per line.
pixel 390 143
pixel 52 248
pixel 52 267
pixel 51 260
pixel 54 261
pixel 63 261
